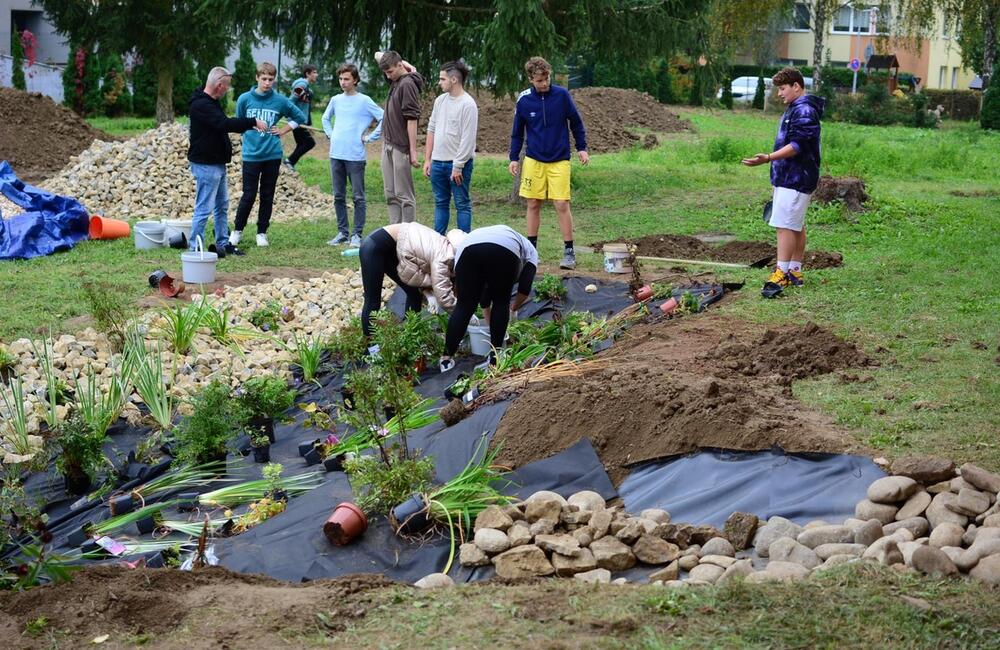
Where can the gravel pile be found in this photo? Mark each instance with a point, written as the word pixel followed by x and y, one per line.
pixel 148 177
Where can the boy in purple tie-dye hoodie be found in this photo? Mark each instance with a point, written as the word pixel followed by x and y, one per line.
pixel 794 175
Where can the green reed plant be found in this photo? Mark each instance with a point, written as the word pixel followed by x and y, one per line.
pixel 308 353
pixel 182 323
pixel 16 419
pixel 146 368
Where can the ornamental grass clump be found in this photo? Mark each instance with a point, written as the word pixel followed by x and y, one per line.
pixel 182 323
pixel 14 425
pixel 308 353
pixel 146 369
pixel 101 408
pixel 240 493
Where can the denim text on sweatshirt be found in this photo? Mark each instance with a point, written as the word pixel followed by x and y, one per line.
pixel 351 115
pixel 268 107
pixel 799 127
pixel 547 118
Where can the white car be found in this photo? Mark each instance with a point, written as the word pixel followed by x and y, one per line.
pixel 744 88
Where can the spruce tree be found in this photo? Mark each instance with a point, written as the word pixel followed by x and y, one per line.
pixel 990 116
pixel 664 83
pixel 245 70
pixel 727 94
pixel 758 97
pixel 17 53
pixel 144 90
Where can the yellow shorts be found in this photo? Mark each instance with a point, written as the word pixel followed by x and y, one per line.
pixel 541 180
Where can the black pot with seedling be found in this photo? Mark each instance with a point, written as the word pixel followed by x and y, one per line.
pixel 454 391
pixel 265 425
pixel 265 398
pixel 314 455
pixel 121 504
pixel 262 454
pixel 79 536
pixel 77 483
pixel 410 516
pixel 306 446
pixel 187 501
pixel 261 446
pixel 334 463
pixel 146 525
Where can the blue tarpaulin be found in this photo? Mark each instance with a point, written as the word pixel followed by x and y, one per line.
pixel 49 223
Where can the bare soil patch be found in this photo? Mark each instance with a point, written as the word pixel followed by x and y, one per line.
pixel 230 610
pixel 38 137
pixel 692 248
pixel 848 190
pixel 673 387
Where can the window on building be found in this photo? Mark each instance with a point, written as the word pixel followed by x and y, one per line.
pixel 798 21
pixel 954 78
pixel 942 76
pixel 849 20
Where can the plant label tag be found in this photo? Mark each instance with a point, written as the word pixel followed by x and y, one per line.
pixel 373 351
pixel 112 546
pixel 469 397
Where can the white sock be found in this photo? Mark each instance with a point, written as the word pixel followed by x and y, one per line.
pixel 794 266
pixel 783 266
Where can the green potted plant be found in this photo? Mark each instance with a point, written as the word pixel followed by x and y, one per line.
pixel 349 344
pixel 265 399
pixel 549 287
pixel 261 446
pixel 216 419
pixel 81 454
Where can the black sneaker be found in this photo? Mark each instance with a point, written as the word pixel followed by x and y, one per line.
pixel 232 250
pixel 212 248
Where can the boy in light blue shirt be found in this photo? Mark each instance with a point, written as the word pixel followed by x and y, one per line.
pixel 354 113
pixel 262 151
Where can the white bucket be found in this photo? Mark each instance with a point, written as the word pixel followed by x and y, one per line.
pixel 199 267
pixel 479 340
pixel 149 234
pixel 615 257
pixel 175 227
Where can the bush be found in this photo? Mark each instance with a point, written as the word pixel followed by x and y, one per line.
pixel 81 449
pixel 185 83
pixel 958 104
pixel 758 96
pixel 721 150
pixel 266 396
pixel 381 487
pixel 73 79
pixel 727 94
pixel 245 70
pixel 665 83
pixel 217 418
pixel 990 118
pixel 144 86
pixel 93 99
pixel 117 98
pixel 17 54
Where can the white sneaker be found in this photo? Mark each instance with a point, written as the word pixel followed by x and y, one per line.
pixel 261 240
pixel 341 238
pixel 235 237
pixel 355 241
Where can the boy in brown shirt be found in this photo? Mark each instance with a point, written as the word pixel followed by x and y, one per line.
pixel 399 135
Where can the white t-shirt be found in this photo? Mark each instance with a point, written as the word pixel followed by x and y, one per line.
pixel 454 122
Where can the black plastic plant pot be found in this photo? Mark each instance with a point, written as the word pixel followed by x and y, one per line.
pixel 410 516
pixel 121 504
pixel 471 396
pixel 334 463
pixel 347 395
pixel 313 456
pixel 389 412
pixel 79 536
pixel 262 454
pixel 308 445
pixel 264 424
pixel 136 470
pixel 187 501
pixel 449 392
pixel 146 525
pixel 77 484
pixel 155 561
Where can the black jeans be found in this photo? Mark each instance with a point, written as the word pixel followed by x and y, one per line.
pixel 485 275
pixel 303 143
pixel 265 175
pixel 379 259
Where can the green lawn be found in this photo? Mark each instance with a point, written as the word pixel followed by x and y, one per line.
pixel 915 291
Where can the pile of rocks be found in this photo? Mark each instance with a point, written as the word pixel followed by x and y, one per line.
pixel 147 177
pixel 929 518
pixel 318 307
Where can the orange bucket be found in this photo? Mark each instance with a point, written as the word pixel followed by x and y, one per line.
pixel 104 228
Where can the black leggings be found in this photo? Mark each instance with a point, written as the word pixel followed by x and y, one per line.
pixel 303 143
pixel 264 174
pixel 379 259
pixel 484 275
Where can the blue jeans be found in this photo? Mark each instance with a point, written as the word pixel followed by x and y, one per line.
pixel 211 195
pixel 340 170
pixel 444 188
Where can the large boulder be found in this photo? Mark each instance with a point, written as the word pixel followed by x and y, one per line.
pixel 892 489
pixel 718 546
pixel 587 500
pixel 988 570
pixel 523 562
pixel 932 561
pixel 493 517
pixel 868 509
pixel 820 535
pixel 775 528
pixel 914 506
pixel 611 554
pixel 924 469
pixel 582 562
pixel 653 550
pixel 939 513
pixel 740 528
pixel 491 541
pixel 789 550
pixel 980 478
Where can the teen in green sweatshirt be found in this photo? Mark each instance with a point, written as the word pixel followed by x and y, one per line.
pixel 262 151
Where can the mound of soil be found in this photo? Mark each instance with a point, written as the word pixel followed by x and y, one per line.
pixel 107 599
pixel 39 136
pixel 608 114
pixel 668 388
pixel 745 252
pixel 848 190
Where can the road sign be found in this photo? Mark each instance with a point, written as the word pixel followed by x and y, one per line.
pixel 855 65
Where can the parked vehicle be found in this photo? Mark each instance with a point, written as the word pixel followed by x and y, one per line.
pixel 744 89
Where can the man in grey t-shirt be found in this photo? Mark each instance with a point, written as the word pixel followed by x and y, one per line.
pixel 451 147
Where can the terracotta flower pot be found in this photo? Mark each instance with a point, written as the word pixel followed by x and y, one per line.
pixel 644 292
pixel 346 523
pixel 669 306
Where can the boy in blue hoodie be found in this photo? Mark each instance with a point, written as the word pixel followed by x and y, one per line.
pixel 794 175
pixel 262 151
pixel 547 114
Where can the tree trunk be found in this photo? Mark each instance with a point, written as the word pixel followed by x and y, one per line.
pixel 164 92
pixel 514 198
pixel 990 37
pixel 820 15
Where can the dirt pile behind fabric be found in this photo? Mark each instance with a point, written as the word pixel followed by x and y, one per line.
pixel 668 388
pixel 745 252
pixel 106 599
pixel 38 136
pixel 608 115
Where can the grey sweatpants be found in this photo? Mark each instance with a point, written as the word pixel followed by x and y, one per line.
pixel 397 177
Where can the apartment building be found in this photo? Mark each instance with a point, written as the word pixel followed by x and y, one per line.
pixel 857 32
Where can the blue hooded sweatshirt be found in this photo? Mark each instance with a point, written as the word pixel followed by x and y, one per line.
pixel 548 118
pixel 800 128
pixel 268 107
